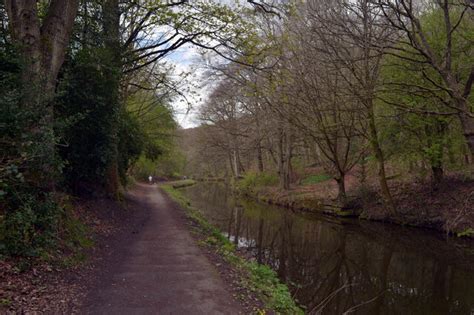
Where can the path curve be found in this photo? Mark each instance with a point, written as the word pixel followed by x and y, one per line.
pixel 160 269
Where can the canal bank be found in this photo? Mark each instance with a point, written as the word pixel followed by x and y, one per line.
pixel 377 268
pixel 447 208
pixel 255 285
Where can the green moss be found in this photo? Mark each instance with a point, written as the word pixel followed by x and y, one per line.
pixel 260 279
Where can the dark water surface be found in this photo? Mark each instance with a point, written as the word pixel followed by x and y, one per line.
pixel 368 267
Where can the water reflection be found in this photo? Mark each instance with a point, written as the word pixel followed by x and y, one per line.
pixel 364 267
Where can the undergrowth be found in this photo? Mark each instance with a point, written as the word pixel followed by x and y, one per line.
pixel 63 242
pixel 252 182
pixel 259 279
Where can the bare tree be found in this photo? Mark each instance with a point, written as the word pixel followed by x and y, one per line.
pixel 352 36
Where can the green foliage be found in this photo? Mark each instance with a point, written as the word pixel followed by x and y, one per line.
pixel 102 132
pixel 315 179
pixel 76 233
pixel 132 141
pixel 254 181
pixel 466 233
pixel 412 130
pixel 265 280
pixel 29 215
pixel 89 99
pixel 32 226
pixel 160 157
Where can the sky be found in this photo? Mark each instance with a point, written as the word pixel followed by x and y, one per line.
pixel 189 70
pixel 187 59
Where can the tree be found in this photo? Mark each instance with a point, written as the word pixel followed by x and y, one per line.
pixel 438 36
pixel 42 41
pixel 351 35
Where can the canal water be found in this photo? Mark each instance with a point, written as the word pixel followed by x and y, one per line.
pixel 346 265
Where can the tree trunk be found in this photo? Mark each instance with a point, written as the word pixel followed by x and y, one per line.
pixel 43 47
pixel 386 195
pixel 236 163
pixel 436 134
pixel 284 160
pixel 260 158
pixel 341 185
pixel 438 174
pixel 467 124
pixel 231 163
pixel 112 43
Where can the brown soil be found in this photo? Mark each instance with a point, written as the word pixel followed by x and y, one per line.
pixel 32 285
pixel 448 208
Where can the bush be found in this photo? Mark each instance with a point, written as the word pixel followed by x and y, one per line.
pixel 255 181
pixel 28 214
pixel 32 227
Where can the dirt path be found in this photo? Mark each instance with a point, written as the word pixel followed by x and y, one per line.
pixel 158 268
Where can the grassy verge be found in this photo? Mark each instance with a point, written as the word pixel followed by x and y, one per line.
pixel 259 279
pixel 182 183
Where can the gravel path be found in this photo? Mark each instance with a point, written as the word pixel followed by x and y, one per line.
pixel 158 268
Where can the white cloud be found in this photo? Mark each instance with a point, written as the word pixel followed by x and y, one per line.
pixel 190 70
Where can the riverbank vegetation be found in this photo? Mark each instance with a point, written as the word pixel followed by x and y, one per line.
pixel 363 108
pixel 259 279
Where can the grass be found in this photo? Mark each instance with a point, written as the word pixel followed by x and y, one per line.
pixel 182 183
pixel 315 179
pixel 260 279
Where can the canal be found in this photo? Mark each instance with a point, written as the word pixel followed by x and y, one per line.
pixel 340 265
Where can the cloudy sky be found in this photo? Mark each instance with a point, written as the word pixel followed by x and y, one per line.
pixel 189 70
pixel 187 60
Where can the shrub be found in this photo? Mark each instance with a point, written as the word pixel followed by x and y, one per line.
pixel 32 227
pixel 254 181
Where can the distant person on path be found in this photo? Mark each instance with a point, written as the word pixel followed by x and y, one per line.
pixel 150 179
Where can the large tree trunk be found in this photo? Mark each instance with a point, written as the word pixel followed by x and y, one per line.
pixel 42 47
pixel 379 156
pixel 112 43
pixel 341 186
pixel 284 159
